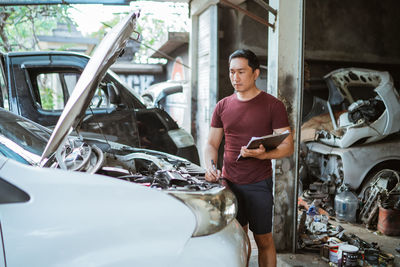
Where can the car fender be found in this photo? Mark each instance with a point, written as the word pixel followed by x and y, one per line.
pixel 78 219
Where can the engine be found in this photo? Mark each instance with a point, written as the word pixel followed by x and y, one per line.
pixel 148 168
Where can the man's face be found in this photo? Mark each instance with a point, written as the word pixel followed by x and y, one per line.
pixel 242 76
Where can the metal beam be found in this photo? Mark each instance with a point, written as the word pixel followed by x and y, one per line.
pixel 248 13
pixel 267 7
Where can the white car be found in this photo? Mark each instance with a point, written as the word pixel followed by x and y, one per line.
pixel 358 148
pixel 68 201
pixel 51 217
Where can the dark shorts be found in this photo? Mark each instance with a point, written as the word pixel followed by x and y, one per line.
pixel 255 202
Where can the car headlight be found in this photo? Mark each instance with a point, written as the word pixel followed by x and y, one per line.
pixel 213 210
pixel 181 138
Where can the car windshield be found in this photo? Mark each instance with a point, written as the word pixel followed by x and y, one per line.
pixel 21 136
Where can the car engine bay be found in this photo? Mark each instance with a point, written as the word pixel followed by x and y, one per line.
pixel 155 170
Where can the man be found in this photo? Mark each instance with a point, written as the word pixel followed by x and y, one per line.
pixel 246 113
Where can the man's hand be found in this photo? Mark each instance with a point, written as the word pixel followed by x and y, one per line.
pixel 257 153
pixel 213 175
pixel 211 154
pixel 285 149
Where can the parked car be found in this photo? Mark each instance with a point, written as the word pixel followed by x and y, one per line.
pixel 37 85
pixel 78 201
pixel 356 146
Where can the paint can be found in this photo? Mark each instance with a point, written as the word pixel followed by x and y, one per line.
pixel 347 256
pixel 333 254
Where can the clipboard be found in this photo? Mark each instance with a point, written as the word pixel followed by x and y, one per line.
pixel 270 142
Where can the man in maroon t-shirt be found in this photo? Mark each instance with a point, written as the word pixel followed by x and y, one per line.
pixel 246 113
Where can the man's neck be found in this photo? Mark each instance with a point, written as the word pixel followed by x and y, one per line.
pixel 248 94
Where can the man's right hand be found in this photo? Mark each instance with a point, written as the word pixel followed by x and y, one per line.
pixel 213 175
pixel 211 154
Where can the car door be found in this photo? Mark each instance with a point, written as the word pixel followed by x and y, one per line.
pixel 4 100
pixel 9 194
pixel 50 83
pixel 2 257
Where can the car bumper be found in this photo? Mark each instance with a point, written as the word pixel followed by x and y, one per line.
pixel 228 247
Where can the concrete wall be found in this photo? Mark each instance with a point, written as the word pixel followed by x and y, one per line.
pixel 356 33
pixel 356 30
pixel 237 31
pixel 182 52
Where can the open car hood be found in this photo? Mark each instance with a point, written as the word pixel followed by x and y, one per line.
pixel 372 112
pixel 105 55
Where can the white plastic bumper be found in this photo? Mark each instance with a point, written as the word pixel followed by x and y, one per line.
pixel 228 247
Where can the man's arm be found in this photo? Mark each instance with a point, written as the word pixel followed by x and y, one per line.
pixel 285 149
pixel 211 153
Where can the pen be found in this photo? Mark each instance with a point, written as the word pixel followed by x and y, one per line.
pixel 213 165
pixel 215 169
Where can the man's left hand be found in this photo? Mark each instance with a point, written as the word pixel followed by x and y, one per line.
pixel 253 153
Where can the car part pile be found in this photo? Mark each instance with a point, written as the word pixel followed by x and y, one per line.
pixel 332 242
pixel 352 141
pixel 382 191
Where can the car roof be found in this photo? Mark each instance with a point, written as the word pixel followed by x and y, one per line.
pixel 40 53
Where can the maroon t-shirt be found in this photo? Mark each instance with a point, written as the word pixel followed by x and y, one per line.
pixel 242 120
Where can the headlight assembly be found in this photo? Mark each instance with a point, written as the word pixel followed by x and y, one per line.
pixel 213 210
pixel 181 138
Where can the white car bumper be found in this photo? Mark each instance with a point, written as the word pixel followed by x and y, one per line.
pixel 228 247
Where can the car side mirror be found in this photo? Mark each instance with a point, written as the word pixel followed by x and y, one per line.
pixel 113 94
pixel 161 98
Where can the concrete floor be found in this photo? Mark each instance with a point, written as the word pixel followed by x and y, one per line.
pixel 287 259
pixel 386 243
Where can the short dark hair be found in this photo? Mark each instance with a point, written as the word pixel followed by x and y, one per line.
pixel 247 54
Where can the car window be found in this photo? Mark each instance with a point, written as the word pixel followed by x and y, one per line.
pixel 19 134
pixel 128 96
pixel 3 91
pixel 101 98
pixel 55 89
pixel 70 81
pixel 51 91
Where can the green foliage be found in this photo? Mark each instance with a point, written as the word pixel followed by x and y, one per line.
pixel 46 96
pixel 151 30
pixel 20 25
pixel 154 25
pixel 155 21
pixel 107 26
